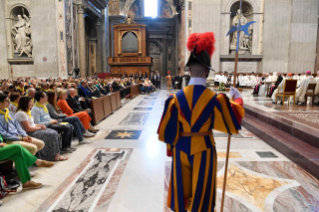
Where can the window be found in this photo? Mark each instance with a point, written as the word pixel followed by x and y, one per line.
pixel 150 8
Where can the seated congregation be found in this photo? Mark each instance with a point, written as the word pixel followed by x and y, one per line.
pixel 39 118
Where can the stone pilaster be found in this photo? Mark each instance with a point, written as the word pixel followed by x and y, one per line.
pixel 99 47
pixel 81 39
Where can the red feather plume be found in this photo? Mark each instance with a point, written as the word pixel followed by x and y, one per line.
pixel 203 42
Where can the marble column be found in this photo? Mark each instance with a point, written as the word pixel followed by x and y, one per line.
pixel 99 47
pixel 81 39
pixel 182 40
pixel 105 39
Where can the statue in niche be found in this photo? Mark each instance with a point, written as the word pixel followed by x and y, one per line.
pixel 244 40
pixel 154 48
pixel 21 34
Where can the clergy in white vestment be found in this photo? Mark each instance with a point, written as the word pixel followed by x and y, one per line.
pixel 296 77
pixel 280 88
pixel 260 81
pixel 232 79
pixel 244 80
pixel 216 80
pixel 274 77
pixel 317 89
pixel 223 78
pixel 301 91
pixel 253 80
pixel 302 77
pixel 262 90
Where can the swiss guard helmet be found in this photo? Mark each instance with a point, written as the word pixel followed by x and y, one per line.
pixel 202 48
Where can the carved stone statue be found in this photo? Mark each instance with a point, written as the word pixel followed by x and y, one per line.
pixel 21 35
pixel 129 19
pixel 244 40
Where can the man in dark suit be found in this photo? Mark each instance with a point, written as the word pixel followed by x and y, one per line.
pixel 141 76
pixel 75 102
pixel 158 81
pixel 179 80
pixel 84 92
pixel 145 75
pixel 187 78
pixel 94 90
pixel 275 86
pixel 136 76
pixel 173 81
pixel 117 87
pixel 152 78
pixel 131 75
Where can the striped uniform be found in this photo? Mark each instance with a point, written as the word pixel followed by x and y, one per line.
pixel 194 164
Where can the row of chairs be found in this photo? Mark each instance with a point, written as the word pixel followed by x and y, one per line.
pixel 290 88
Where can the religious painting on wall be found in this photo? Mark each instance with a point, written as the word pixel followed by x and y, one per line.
pixel 166 10
pixel 92 58
pixel 75 51
pixel 135 10
pixel 68 33
pixel 114 8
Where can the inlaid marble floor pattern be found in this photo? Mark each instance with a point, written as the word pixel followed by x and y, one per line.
pixel 125 169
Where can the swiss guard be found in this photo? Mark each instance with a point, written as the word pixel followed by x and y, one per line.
pixel 186 127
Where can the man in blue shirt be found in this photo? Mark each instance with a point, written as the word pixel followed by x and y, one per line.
pixel 41 115
pixel 11 130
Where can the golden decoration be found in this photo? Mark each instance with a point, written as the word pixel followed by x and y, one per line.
pixel 124 134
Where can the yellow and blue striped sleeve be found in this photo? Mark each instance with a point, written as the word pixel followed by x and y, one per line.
pixel 168 130
pixel 227 118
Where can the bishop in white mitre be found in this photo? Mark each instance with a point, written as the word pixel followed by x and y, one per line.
pixel 302 90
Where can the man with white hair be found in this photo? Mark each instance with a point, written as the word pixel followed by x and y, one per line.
pixel 31 92
pixel 260 82
pixel 262 90
pixel 302 90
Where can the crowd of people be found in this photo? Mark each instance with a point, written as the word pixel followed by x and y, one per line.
pixel 39 117
pixel 270 84
pixel 276 85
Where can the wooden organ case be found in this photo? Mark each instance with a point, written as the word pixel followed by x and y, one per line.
pixel 130 50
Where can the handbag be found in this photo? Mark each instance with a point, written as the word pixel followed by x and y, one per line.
pixel 5 189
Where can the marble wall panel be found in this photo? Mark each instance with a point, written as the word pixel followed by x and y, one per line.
pixel 207 18
pixel 276 35
pixel 303 35
pixel 44 36
pixel 3 44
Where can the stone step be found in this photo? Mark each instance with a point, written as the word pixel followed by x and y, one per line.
pixel 298 130
pixel 303 154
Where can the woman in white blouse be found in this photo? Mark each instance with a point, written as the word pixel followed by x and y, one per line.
pixel 50 137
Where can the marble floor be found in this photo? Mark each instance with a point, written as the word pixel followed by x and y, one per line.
pixel 125 169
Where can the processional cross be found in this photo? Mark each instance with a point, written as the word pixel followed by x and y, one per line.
pixel 239 28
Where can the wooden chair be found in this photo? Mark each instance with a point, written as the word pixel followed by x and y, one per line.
pixel 289 90
pixel 311 93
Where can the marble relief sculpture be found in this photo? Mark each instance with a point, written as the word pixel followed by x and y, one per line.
pixel 244 40
pixel 21 35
